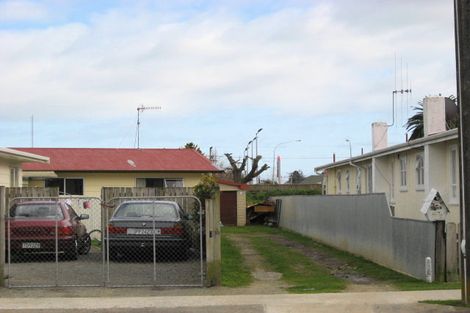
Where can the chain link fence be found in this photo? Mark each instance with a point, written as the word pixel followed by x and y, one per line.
pixel 154 241
pixel 80 241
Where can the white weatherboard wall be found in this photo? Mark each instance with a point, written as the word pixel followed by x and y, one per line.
pixel 361 224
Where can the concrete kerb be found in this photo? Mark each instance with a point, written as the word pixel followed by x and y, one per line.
pixel 268 301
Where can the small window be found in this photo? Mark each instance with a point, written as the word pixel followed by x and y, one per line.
pixel 454 188
pixel 369 178
pixel 403 180
pixel 419 172
pixel 338 177
pixel 358 180
pixel 173 183
pixel 14 177
pixel 67 186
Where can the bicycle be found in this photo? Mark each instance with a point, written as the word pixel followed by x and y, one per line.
pixel 84 243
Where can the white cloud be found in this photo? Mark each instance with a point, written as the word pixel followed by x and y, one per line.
pixel 19 10
pixel 325 59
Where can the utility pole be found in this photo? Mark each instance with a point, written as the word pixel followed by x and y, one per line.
pixel 139 110
pixel 462 47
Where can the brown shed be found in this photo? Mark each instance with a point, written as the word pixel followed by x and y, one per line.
pixel 232 203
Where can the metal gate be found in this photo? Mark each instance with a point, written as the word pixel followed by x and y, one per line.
pixel 80 241
pixel 54 242
pixel 154 241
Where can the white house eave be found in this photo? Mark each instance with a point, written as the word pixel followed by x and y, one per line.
pixel 20 156
pixel 413 144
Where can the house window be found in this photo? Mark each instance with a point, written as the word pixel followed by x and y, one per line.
pixel 419 172
pixel 338 177
pixel 454 192
pixel 159 182
pixel 369 178
pixel 14 177
pixel 358 180
pixel 67 186
pixel 173 183
pixel 348 188
pixel 403 183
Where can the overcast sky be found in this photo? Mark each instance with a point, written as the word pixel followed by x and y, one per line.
pixel 319 71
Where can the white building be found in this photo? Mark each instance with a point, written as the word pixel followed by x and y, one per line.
pixel 406 172
pixel 10 165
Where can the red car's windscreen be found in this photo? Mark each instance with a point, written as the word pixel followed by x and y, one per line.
pixel 37 211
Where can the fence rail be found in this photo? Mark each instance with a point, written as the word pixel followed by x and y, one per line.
pixel 269 187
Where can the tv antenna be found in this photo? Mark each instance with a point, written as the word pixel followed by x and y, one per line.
pixel 140 110
pixel 400 91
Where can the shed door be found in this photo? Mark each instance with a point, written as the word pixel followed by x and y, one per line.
pixel 228 207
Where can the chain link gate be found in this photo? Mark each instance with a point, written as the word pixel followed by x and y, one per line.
pixel 154 241
pixel 54 242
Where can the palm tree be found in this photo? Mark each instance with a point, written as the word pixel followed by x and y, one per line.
pixel 415 123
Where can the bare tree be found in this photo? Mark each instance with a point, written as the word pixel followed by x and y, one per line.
pixel 237 170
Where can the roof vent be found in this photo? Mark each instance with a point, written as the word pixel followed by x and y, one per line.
pixel 131 163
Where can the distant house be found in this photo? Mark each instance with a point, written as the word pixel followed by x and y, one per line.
pixel 406 172
pixel 10 165
pixel 312 180
pixel 84 171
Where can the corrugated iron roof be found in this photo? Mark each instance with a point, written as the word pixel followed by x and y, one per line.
pixel 114 159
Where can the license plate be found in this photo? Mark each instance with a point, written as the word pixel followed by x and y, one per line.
pixel 143 231
pixel 31 245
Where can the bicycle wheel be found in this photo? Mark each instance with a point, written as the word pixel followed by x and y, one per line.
pixel 84 244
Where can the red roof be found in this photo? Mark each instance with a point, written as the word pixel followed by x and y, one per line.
pixel 106 160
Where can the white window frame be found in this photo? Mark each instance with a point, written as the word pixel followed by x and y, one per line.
pixel 419 171
pixel 454 175
pixel 338 180
pixel 370 188
pixel 14 177
pixel 403 173
pixel 164 180
pixel 358 180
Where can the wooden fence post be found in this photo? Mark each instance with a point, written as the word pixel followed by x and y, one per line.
pixel 213 251
pixel 2 235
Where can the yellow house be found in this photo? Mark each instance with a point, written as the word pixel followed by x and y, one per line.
pixel 10 165
pixel 84 171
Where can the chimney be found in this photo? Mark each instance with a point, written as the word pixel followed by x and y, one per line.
pixel 436 112
pixel 379 135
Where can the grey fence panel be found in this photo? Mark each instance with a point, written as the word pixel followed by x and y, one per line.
pixel 361 224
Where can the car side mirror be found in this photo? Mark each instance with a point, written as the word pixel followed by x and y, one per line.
pixel 84 216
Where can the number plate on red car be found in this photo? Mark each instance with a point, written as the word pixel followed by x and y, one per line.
pixel 31 245
pixel 143 231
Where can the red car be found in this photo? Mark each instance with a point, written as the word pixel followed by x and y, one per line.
pixel 44 227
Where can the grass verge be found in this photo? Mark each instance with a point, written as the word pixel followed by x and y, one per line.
pixel 361 265
pixel 234 271
pixel 297 270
